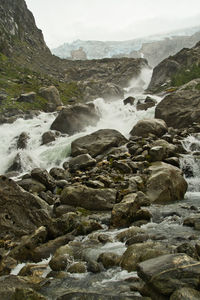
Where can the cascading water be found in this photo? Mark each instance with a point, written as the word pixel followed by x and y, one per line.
pixel 114 115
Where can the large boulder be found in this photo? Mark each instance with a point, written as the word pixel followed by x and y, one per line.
pixel 166 273
pixel 181 108
pixel 165 183
pixel 51 94
pixel 73 119
pixel 21 212
pixel 98 142
pixel 145 127
pixel 89 198
pixel 81 162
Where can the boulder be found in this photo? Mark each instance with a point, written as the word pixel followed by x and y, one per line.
pixel 98 142
pixel 43 177
pixel 31 185
pixel 27 98
pixel 167 273
pixel 88 198
pixel 109 259
pixel 48 137
pixel 16 165
pixel 22 140
pixel 165 183
pixel 129 100
pixel 137 253
pixel 81 162
pixel 185 294
pixel 21 212
pixel 51 94
pixel 180 109
pixel 149 126
pixel 77 267
pixel 73 119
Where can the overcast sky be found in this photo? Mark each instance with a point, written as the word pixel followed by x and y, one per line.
pixel 67 20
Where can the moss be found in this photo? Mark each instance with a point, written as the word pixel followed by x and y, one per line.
pixel 185 75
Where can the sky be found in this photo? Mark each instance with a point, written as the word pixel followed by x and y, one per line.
pixel 64 21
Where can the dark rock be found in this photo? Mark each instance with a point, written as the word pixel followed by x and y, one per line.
pixel 31 185
pixel 167 273
pixel 77 267
pixel 81 162
pixel 48 137
pixel 22 140
pixel 109 259
pixel 185 294
pixel 58 173
pixel 130 100
pixel 75 118
pixel 16 165
pixel 27 98
pixel 44 177
pixel 51 94
pixel 89 198
pixel 97 142
pixel 145 127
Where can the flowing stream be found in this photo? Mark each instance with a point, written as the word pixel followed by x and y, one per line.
pixel 167 221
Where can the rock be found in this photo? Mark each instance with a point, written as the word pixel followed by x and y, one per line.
pixel 185 294
pixel 109 259
pixel 60 262
pixel 26 294
pixel 31 185
pixel 73 119
pixel 44 177
pixel 88 198
pixel 141 252
pixel 125 212
pixel 145 127
pixel 36 270
pixel 48 137
pixel 51 94
pixel 165 183
pixel 167 273
pixel 180 109
pixel 22 140
pixel 78 267
pixel 193 221
pixel 129 233
pixel 130 100
pixel 146 104
pixel 21 212
pixel 27 98
pixel 58 173
pixel 122 166
pixel 97 296
pixel 156 153
pixel 97 142
pixel 81 162
pixel 16 165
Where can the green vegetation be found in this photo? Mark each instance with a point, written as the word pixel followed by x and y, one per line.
pixel 15 80
pixel 186 75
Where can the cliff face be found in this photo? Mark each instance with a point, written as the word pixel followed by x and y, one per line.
pixel 17 25
pixel 176 70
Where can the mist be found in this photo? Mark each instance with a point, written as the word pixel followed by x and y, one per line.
pixel 65 21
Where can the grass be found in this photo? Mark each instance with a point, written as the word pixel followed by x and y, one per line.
pixel 186 75
pixel 15 80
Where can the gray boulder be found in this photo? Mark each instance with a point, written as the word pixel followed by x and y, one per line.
pixel 98 142
pixel 81 162
pixel 27 98
pixel 73 119
pixel 51 94
pixel 145 127
pixel 89 198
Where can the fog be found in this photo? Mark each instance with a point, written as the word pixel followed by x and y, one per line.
pixel 67 20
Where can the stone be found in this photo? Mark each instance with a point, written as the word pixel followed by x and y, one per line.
pixel 77 267
pixel 185 293
pixel 137 253
pixel 109 259
pixel 27 98
pixel 81 162
pixel 165 183
pixel 44 177
pixel 31 185
pixel 22 140
pixel 88 198
pixel 129 100
pixel 167 273
pixel 98 142
pixel 60 262
pixel 16 165
pixel 73 119
pixel 51 94
pixel 48 137
pixel 26 294
pixel 149 126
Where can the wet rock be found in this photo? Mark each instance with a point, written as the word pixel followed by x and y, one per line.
pixel 129 100
pixel 98 142
pixel 51 94
pixel 33 270
pixel 81 162
pixel 89 198
pixel 97 296
pixel 58 173
pixel 192 221
pixel 78 267
pixel 145 127
pixel 185 294
pixel 7 264
pixel 129 233
pixel 48 137
pixel 63 209
pixel 27 98
pixel 31 185
pixel 60 262
pixel 21 212
pixel 27 293
pixel 165 183
pixel 44 177
pixel 75 118
pixel 109 259
pixel 22 140
pixel 16 165
pixel 188 249
pixel 141 252
pixel 167 273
